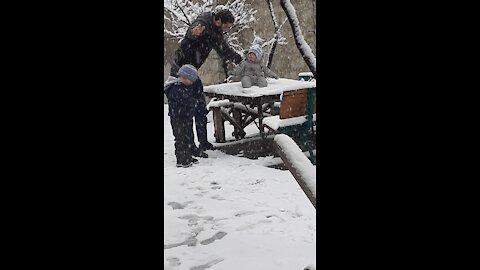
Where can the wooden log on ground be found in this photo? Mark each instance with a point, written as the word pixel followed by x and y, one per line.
pixel 298 164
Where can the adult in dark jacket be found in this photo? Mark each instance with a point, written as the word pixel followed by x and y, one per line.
pixel 204 34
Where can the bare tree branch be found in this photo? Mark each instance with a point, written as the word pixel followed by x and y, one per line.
pixel 302 46
pixel 275 25
pixel 186 17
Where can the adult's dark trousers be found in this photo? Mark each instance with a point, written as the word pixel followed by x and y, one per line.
pixel 201 117
pixel 201 124
pixel 182 132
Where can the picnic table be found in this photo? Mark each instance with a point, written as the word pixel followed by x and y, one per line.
pixel 242 106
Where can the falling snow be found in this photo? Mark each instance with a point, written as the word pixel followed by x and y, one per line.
pixel 230 212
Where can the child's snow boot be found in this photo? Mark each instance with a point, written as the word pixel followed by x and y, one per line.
pixel 184 164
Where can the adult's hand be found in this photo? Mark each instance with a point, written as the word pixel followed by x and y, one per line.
pixel 237 58
pixel 198 29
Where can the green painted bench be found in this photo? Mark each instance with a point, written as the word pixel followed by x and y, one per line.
pixel 297 118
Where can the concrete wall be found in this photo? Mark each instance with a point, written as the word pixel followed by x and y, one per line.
pixel 287 61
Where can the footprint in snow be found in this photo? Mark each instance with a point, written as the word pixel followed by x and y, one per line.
pixel 191 241
pixel 173 262
pixel 217 236
pixel 215 185
pixel 274 217
pixel 207 265
pixel 257 181
pixel 195 217
pixel 176 205
pixel 244 213
pixel 218 197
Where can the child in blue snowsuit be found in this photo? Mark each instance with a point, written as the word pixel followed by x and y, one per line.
pixel 182 103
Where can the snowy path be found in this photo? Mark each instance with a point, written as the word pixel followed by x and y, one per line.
pixel 233 213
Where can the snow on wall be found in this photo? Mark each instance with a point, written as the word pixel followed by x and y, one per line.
pixel 299 161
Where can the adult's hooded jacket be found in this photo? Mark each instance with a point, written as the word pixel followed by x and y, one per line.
pixel 195 50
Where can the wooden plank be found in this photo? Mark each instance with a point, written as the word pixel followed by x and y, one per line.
pixel 219 125
pixel 294 103
pixel 260 117
pixel 237 116
pixel 250 147
pixel 230 119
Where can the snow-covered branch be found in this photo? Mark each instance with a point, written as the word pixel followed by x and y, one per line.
pixel 302 45
pixel 179 13
pixel 277 38
pixel 244 15
pixel 276 35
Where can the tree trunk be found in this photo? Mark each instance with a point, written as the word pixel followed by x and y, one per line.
pixel 275 25
pixel 302 45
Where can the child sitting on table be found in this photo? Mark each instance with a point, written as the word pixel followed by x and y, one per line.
pixel 181 108
pixel 252 70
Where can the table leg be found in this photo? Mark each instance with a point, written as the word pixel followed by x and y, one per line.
pixel 236 125
pixel 219 125
pixel 237 115
pixel 260 117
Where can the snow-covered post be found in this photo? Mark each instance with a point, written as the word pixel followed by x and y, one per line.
pixel 298 164
pixel 302 45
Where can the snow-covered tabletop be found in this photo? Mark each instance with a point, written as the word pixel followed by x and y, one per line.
pixel 275 87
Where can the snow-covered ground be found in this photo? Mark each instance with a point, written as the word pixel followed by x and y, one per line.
pixel 233 213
